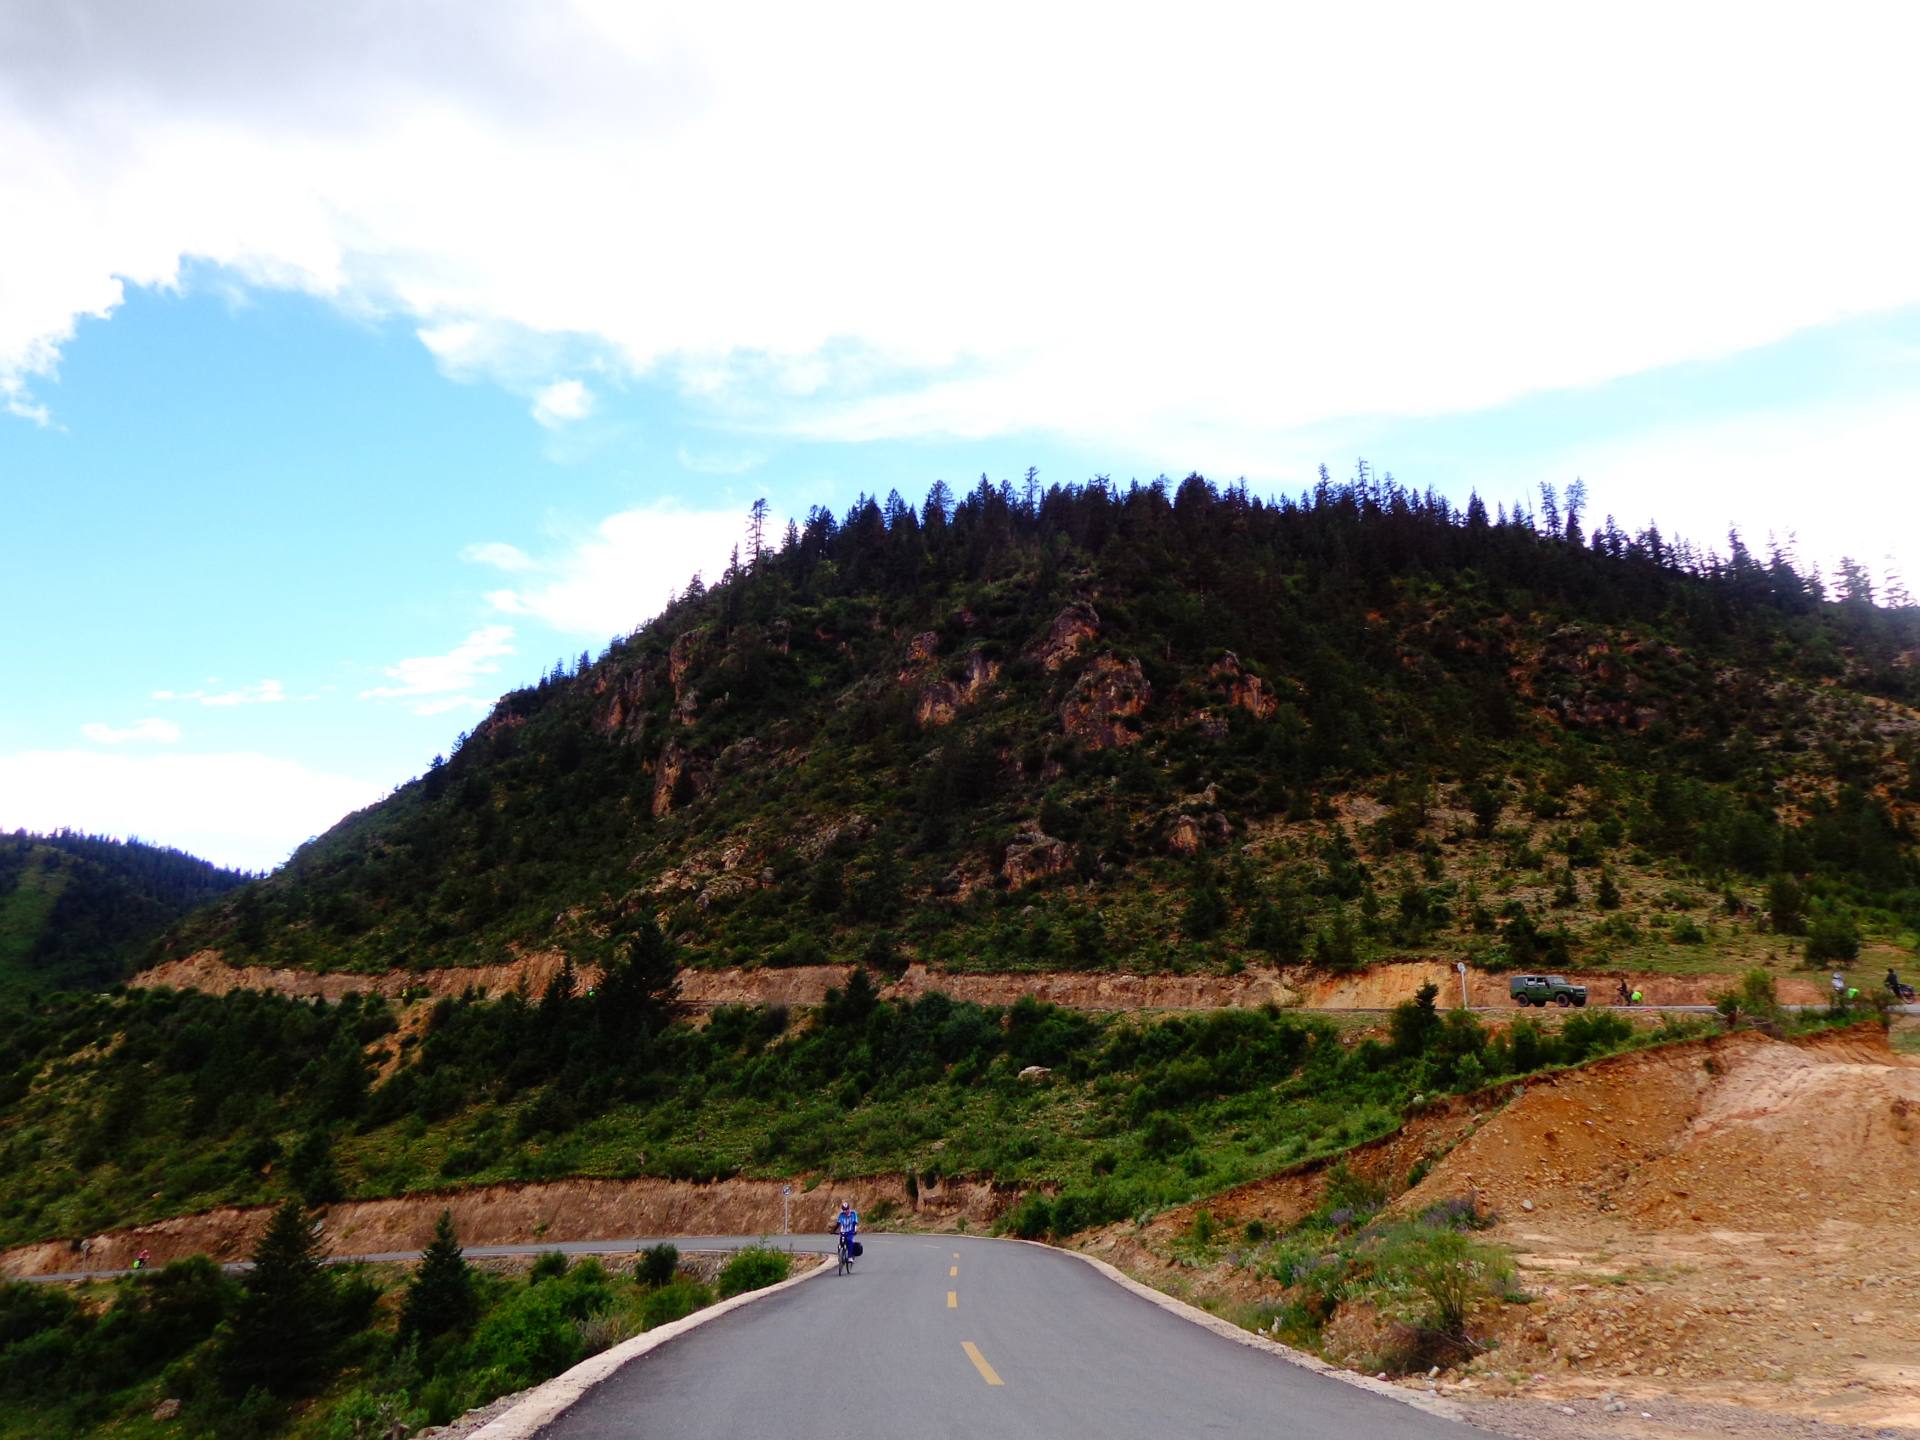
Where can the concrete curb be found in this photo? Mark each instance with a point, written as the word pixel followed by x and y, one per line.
pixel 1227 1330
pixel 547 1401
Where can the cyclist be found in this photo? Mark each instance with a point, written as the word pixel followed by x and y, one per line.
pixel 847 1225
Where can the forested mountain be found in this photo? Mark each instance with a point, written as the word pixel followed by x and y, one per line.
pixel 1169 726
pixel 79 911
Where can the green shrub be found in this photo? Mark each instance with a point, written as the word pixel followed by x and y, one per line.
pixel 1754 999
pixel 548 1266
pixel 1032 1218
pixel 658 1264
pixel 535 1332
pixel 1832 937
pixel 674 1301
pixel 754 1269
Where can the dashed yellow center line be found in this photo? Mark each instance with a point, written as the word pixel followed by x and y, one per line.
pixel 980 1363
pixel 953 1300
pixel 952 1270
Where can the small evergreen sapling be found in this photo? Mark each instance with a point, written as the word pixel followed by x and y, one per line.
pixel 441 1299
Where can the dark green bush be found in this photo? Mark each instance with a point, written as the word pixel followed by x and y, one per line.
pixel 673 1301
pixel 657 1264
pixel 753 1269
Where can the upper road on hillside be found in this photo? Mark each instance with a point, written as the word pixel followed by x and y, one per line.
pixel 937 1335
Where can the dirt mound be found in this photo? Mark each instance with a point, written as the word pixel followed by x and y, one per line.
pixel 1748 1131
pixel 531 1213
pixel 1712 1220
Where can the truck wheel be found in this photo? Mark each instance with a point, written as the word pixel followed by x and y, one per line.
pixel 1563 999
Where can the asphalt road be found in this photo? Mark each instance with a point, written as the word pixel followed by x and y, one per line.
pixel 948 1336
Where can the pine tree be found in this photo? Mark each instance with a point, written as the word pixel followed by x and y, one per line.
pixel 441 1299
pixel 756 530
pixel 1607 896
pixel 287 1321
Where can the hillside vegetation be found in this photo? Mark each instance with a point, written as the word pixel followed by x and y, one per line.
pixel 81 911
pixel 121 1109
pixel 1171 727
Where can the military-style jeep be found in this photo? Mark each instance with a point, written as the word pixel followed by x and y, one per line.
pixel 1538 989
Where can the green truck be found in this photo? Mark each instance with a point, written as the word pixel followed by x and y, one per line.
pixel 1539 989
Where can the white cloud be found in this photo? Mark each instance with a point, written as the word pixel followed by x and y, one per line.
pixel 621 575
pixel 561 403
pixel 266 692
pixel 498 554
pixel 240 809
pixel 874 222
pixel 438 683
pixel 164 731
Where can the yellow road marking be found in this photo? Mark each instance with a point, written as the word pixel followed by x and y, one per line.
pixel 953 1300
pixel 956 1254
pixel 980 1363
pixel 952 1270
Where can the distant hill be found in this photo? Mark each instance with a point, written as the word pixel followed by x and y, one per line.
pixel 1164 728
pixel 80 911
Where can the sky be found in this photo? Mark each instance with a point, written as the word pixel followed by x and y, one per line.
pixel 360 360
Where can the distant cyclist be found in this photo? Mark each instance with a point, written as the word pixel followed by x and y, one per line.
pixel 847 1225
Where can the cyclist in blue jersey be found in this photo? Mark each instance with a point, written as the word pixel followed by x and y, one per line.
pixel 847 1226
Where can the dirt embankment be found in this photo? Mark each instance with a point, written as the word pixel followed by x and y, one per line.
pixel 1726 1221
pixel 205 970
pixel 1377 987
pixel 533 1214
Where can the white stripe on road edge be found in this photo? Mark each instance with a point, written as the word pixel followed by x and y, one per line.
pixel 1227 1330
pixel 546 1402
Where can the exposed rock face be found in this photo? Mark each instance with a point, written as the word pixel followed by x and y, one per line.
pixel 854 828
pixel 674 765
pixel 683 655
pixel 940 700
pixel 920 653
pixel 1073 629
pixel 1105 704
pixel 1190 834
pixel 1249 692
pixel 621 713
pixel 1034 855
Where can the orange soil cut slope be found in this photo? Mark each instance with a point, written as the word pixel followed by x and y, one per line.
pixel 530 1214
pixel 1376 987
pixel 1732 1221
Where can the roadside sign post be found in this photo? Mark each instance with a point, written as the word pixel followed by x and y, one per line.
pixel 786 1209
pixel 1461 966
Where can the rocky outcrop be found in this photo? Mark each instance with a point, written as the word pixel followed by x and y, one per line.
pixel 621 713
pixel 851 830
pixel 1033 855
pixel 921 652
pixel 1073 629
pixel 1105 705
pixel 941 700
pixel 675 776
pixel 1190 834
pixel 683 655
pixel 1249 692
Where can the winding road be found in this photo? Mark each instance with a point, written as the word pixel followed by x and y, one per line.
pixel 936 1335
